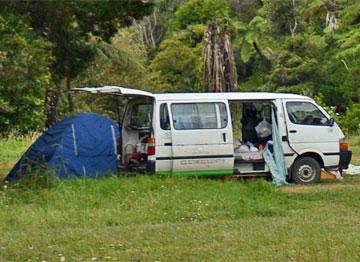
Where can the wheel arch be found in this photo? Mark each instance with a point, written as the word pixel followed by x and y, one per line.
pixel 314 155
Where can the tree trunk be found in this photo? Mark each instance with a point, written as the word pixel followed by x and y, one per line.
pixel 68 87
pixel 218 58
pixel 51 101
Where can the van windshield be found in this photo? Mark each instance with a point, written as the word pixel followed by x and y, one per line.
pixel 305 113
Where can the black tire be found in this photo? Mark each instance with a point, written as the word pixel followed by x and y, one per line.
pixel 306 170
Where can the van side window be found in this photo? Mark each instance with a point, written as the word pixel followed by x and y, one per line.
pixel 164 117
pixel 199 115
pixel 305 113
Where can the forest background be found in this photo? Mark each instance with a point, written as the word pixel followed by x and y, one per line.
pixel 310 47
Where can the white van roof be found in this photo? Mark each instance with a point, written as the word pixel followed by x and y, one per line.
pixel 118 90
pixel 228 96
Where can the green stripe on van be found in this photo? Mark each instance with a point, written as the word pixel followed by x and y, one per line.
pixel 219 172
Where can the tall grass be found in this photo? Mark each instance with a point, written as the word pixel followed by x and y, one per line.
pixel 354 142
pixel 11 149
pixel 173 218
pixel 149 195
pixel 13 145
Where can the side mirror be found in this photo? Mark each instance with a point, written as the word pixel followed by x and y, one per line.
pixel 331 122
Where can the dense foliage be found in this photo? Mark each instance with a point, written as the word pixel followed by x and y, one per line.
pixel 310 47
pixel 77 31
pixel 305 47
pixel 25 60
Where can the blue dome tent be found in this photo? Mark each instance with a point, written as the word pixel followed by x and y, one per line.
pixel 81 145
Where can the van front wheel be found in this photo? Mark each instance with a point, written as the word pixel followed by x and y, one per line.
pixel 306 170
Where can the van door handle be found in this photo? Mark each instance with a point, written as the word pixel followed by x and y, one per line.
pixel 293 131
pixel 224 137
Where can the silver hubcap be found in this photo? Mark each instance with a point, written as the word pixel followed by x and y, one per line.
pixel 306 173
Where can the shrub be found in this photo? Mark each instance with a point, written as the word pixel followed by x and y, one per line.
pixel 25 61
pixel 350 122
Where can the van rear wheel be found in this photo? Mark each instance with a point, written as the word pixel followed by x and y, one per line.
pixel 306 170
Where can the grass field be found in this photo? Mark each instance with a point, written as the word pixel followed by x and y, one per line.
pixel 354 143
pixel 11 150
pixel 172 219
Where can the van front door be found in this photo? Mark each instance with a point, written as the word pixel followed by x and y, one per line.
pixel 309 131
pixel 202 142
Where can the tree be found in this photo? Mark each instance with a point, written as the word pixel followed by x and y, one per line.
pixel 177 66
pixel 293 73
pixel 25 61
pixel 245 10
pixel 151 29
pixel 219 63
pixel 251 37
pixel 199 12
pixel 283 15
pixel 68 25
pixel 122 62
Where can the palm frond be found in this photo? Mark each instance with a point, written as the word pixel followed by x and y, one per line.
pixel 118 57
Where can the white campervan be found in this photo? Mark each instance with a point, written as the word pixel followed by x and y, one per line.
pixel 225 133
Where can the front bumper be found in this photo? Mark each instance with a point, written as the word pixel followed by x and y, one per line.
pixel 345 158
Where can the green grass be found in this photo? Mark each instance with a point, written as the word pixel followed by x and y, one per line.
pixel 173 218
pixel 354 142
pixel 10 151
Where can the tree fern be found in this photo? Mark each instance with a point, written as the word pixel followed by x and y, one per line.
pixel 120 58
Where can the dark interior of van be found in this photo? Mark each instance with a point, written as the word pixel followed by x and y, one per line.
pixel 252 129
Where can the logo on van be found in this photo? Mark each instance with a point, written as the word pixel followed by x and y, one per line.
pixel 202 162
